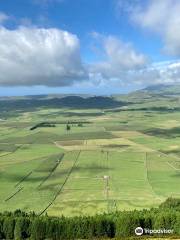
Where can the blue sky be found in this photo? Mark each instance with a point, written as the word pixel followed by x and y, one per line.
pixel 87 46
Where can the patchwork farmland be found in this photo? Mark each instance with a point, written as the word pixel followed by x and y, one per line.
pixel 108 160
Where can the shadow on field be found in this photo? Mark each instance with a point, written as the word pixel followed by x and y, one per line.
pixel 18 177
pixel 161 110
pixel 116 146
pixel 173 151
pixel 95 167
pixel 80 114
pixel 49 138
pixel 176 175
pixel 36 138
pixel 38 174
pixel 71 114
pixel 163 133
pixel 15 178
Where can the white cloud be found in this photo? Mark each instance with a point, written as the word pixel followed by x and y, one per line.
pixel 3 17
pixel 164 72
pixel 156 73
pixel 38 56
pixel 119 58
pixel 122 55
pixel 122 65
pixel 32 56
pixel 163 18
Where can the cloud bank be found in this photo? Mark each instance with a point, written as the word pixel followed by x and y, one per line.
pixel 31 55
pixel 37 56
pixel 119 58
pixel 163 18
pixel 123 66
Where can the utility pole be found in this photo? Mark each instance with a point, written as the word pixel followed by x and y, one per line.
pixel 106 189
pixel 106 186
pixel 107 159
pixel 107 155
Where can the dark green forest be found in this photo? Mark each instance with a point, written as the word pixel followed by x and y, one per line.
pixel 20 225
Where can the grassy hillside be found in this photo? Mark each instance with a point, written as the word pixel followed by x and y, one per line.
pixel 133 139
pixel 169 89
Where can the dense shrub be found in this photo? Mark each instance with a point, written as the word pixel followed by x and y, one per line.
pixel 20 225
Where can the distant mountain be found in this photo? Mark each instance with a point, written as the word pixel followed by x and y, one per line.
pixel 152 92
pixel 60 102
pixel 43 96
pixel 165 89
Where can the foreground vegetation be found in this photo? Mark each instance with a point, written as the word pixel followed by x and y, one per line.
pixel 20 225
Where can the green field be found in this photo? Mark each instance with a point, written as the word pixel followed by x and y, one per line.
pixel 63 172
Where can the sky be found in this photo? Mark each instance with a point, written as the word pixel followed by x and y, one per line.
pixel 88 46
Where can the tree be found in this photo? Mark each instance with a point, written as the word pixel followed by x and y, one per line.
pixel 177 224
pixel 21 230
pixel 1 230
pixel 8 227
pixel 68 127
pixel 126 224
pixel 38 229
